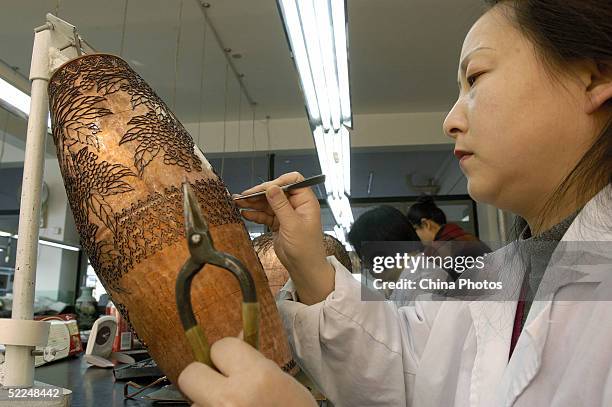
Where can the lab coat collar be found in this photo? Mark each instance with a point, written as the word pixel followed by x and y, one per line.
pixel 493 322
pixel 493 329
pixel 527 356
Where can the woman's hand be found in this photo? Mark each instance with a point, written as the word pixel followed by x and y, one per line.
pixel 247 379
pixel 299 240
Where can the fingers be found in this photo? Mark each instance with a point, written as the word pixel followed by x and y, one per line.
pixel 259 217
pixel 259 203
pixel 280 204
pixel 231 356
pixel 196 375
pixel 302 196
pixel 284 179
pixel 297 197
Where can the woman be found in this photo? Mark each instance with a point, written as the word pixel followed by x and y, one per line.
pixel 532 133
pixel 429 222
pixel 442 238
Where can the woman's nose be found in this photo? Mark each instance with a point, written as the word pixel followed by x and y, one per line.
pixel 456 121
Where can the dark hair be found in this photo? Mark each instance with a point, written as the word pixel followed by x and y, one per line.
pixel 567 31
pixel 383 223
pixel 332 246
pixel 425 208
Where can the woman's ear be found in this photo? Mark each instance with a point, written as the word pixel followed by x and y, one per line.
pixel 599 91
pixel 429 224
pixel 424 223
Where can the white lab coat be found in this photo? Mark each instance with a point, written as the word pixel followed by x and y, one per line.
pixel 455 353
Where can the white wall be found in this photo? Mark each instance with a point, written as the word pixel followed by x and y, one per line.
pixel 374 130
pixel 56 270
pixel 11 154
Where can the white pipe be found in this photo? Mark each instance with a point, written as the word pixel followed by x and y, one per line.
pixel 19 360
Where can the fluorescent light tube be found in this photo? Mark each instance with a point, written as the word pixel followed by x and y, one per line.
pixel 324 161
pixel 346 158
pixel 341 236
pixel 300 56
pixel 341 209
pixel 333 152
pixel 44 242
pixel 18 99
pixel 335 208
pixel 338 13
pixel 336 143
pixel 14 97
pixel 317 31
pixel 335 165
pixel 59 245
pixel 326 42
pixel 311 36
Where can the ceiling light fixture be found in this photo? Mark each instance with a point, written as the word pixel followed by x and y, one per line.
pixel 317 34
pixel 18 100
pixel 14 97
pixel 59 245
pixel 44 242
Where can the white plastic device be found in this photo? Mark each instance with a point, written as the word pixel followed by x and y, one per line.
pixel 100 343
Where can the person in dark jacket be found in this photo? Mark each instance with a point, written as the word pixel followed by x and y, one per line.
pixel 442 238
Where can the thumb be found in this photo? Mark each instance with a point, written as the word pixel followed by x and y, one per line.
pixel 279 204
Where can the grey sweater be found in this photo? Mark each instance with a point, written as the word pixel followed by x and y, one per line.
pixel 537 251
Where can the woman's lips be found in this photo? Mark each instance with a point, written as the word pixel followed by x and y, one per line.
pixel 462 155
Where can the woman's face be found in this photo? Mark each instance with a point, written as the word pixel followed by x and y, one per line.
pixel 426 230
pixel 518 130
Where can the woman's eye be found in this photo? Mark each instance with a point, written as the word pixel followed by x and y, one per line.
pixel 471 80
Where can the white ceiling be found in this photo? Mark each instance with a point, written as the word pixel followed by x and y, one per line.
pixel 403 52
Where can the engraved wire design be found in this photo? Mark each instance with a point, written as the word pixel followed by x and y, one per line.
pixel 80 94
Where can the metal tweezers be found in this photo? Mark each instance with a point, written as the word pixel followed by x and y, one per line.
pixel 203 252
pixel 308 182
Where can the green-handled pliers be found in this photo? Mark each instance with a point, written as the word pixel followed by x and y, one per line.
pixel 203 252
